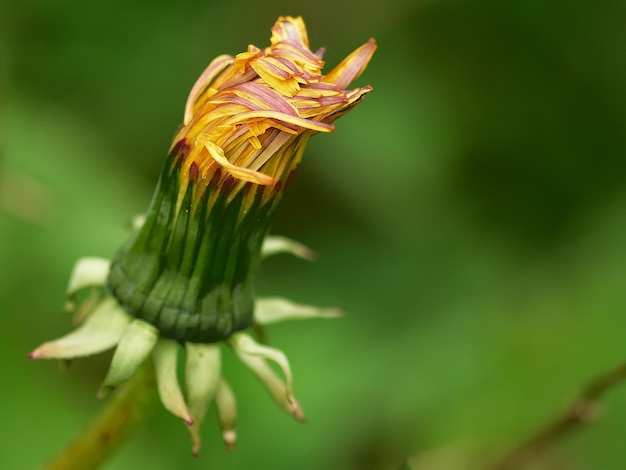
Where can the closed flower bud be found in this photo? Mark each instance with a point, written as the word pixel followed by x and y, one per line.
pixel 186 276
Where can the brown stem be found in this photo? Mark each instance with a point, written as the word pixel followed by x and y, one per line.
pixel 580 412
pixel 112 427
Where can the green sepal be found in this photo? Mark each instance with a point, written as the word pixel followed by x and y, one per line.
pixel 190 269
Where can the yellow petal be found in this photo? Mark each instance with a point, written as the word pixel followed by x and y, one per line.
pixel 352 66
pixel 296 121
pixel 289 28
pixel 245 174
pixel 203 81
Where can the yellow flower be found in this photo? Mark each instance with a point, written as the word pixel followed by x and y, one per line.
pixel 186 275
pixel 252 114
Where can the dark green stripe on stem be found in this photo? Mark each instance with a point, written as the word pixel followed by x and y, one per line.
pixel 189 271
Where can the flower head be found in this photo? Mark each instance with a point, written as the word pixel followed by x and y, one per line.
pixel 185 279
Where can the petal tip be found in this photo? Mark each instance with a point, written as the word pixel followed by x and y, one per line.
pixel 296 410
pixel 48 350
pixel 230 439
pixel 34 354
pixel 195 449
pixel 196 440
pixel 333 312
pixel 104 391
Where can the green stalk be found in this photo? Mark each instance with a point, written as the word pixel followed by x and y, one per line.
pixel 113 427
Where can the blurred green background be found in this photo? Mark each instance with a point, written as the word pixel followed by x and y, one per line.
pixel 469 218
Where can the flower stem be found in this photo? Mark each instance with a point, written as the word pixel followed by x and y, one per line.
pixel 582 411
pixel 114 426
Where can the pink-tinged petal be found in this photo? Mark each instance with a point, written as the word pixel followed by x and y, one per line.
pixel 216 66
pixel 289 28
pixel 352 66
pixel 242 60
pixel 297 52
pixel 354 98
pixel 296 121
pixel 280 80
pixel 262 97
pixel 101 330
pixel 270 149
